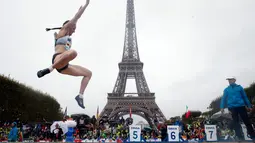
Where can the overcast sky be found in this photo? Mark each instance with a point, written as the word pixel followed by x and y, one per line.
pixel 188 48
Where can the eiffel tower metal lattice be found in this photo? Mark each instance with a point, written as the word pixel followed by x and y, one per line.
pixel 131 67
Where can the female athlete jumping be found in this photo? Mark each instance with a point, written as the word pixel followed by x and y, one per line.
pixel 63 55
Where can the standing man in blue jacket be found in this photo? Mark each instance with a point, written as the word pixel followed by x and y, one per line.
pixel 13 135
pixel 236 100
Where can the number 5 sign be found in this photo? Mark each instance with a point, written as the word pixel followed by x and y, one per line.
pixel 211 132
pixel 135 133
pixel 173 133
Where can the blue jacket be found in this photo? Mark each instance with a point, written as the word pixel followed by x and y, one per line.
pixel 234 96
pixel 13 135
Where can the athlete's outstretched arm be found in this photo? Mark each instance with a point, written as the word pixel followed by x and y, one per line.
pixel 78 14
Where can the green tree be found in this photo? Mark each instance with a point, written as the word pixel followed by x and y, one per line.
pixel 250 91
pixel 25 103
pixel 215 105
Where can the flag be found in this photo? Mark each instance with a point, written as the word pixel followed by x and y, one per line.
pixel 97 112
pixel 130 111
pixel 65 113
pixel 187 115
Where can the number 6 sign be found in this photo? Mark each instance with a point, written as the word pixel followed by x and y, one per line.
pixel 211 132
pixel 173 133
pixel 135 133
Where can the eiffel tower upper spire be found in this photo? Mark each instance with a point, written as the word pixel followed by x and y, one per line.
pixel 131 67
pixel 130 51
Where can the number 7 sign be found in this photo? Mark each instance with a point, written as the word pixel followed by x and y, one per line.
pixel 211 133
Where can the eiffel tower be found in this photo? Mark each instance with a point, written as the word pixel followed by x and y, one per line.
pixel 131 67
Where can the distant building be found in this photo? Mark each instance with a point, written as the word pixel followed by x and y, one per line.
pixel 143 124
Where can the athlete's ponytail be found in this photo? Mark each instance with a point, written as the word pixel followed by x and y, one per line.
pixel 56 28
pixel 48 29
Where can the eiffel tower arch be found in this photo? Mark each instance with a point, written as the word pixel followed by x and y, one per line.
pixel 118 102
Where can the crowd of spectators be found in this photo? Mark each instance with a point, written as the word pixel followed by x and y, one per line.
pixel 40 132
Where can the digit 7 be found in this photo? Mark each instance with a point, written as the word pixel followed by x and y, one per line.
pixel 211 132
